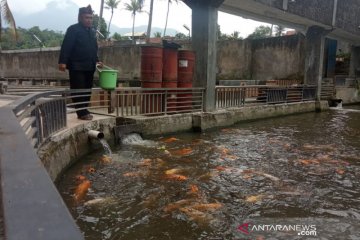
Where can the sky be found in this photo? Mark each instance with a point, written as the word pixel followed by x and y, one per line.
pixel 179 15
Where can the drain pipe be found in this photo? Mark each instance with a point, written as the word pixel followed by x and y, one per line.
pixel 95 134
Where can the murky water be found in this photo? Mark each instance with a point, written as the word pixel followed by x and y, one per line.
pixel 296 170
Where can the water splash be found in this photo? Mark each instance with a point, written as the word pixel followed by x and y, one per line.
pixel 136 139
pixel 106 147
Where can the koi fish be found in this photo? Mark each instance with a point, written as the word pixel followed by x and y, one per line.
pixel 81 190
pixel 196 215
pixel 91 170
pixel 182 152
pixel 329 147
pixel 105 159
pixel 194 188
pixel 99 201
pixel 271 177
pixel 132 174
pixel 254 199
pixel 145 163
pixel 309 161
pixel 220 168
pixel 207 206
pixel 340 171
pixel 80 178
pixel 170 140
pixel 176 177
pixel 176 205
pixel 172 171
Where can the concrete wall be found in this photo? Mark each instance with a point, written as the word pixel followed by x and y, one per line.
pixel 348 95
pixel 236 59
pixel 278 58
pixel 126 59
pixel 31 63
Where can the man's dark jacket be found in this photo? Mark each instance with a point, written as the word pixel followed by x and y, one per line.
pixel 79 49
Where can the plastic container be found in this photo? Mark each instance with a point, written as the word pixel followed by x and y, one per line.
pixel 107 77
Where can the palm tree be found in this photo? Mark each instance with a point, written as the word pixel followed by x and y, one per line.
pixel 157 34
pixel 111 4
pixel 134 7
pixel 101 13
pixel 7 17
pixel 167 14
pixel 148 33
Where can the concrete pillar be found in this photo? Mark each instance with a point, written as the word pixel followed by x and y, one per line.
pixel 355 62
pixel 314 56
pixel 204 38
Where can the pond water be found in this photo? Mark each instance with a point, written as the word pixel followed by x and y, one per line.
pixel 301 170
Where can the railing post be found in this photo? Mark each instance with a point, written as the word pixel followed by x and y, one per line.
pixel 165 101
pixel 112 99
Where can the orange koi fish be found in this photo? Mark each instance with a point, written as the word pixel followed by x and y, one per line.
pixel 81 190
pixel 176 177
pixel 170 140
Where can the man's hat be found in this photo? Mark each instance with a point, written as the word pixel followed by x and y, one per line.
pixel 86 10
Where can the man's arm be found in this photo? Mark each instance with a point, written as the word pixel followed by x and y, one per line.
pixel 66 48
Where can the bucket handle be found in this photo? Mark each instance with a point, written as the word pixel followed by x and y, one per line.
pixel 103 67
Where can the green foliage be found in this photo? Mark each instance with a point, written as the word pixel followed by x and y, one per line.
pixel 260 32
pixel 7 17
pixel 180 35
pixel 27 39
pixel 118 37
pixel 103 26
pixel 111 4
pixel 222 36
pixel 157 34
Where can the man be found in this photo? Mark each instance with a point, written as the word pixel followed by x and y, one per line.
pixel 79 55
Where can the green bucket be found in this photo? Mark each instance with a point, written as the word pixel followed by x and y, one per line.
pixel 107 77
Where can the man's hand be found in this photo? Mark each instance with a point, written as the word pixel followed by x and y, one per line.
pixel 100 64
pixel 62 67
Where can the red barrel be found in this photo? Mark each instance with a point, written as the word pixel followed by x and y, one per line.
pixel 170 65
pixel 186 68
pixel 170 74
pixel 151 65
pixel 151 77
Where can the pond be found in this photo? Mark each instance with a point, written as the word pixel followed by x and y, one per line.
pixel 297 171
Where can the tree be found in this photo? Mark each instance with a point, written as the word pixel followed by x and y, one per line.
pixel 260 32
pixel 167 14
pixel 102 27
pixel 157 34
pixel 235 35
pixel 26 39
pixel 111 4
pixel 148 32
pixel 7 17
pixel 181 35
pixel 135 6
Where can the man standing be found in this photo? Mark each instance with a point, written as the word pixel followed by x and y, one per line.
pixel 79 55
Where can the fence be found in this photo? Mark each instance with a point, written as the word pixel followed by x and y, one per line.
pixel 43 114
pixel 227 97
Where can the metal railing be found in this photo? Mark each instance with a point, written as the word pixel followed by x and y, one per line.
pixel 43 114
pixel 227 97
pixel 157 101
